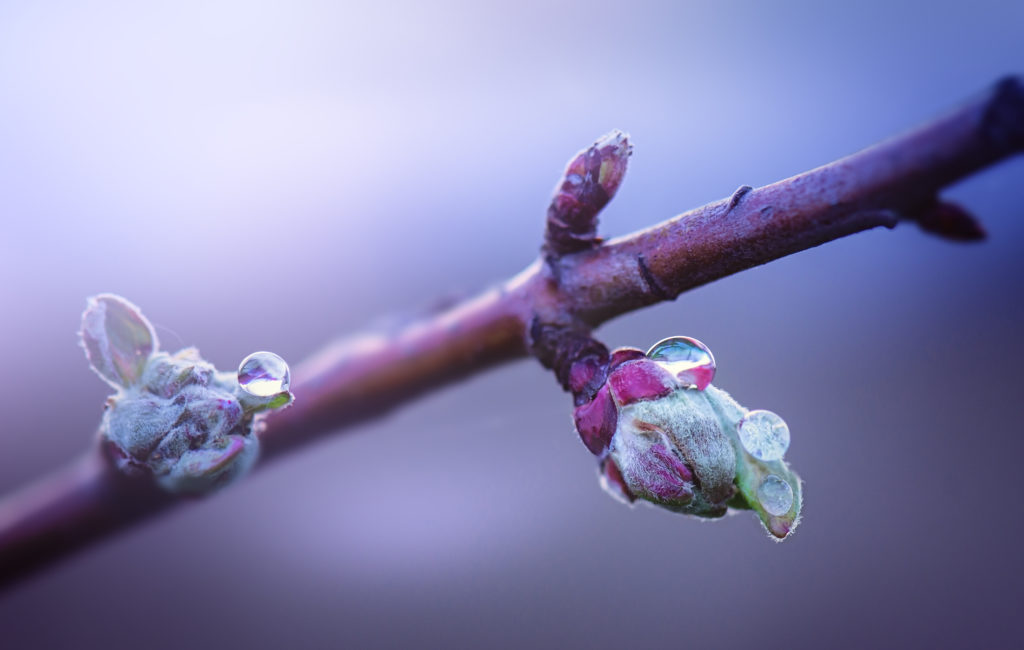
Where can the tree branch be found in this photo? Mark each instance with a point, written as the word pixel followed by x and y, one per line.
pixel 549 309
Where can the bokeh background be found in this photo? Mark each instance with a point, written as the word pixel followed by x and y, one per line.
pixel 273 175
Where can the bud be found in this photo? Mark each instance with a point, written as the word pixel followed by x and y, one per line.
pixel 663 440
pixel 175 417
pixel 589 182
pixel 949 220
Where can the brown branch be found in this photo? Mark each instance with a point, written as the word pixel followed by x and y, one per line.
pixel 549 308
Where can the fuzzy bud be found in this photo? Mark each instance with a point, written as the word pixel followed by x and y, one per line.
pixel 671 444
pixel 174 418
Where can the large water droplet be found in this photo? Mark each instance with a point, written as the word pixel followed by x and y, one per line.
pixel 764 435
pixel 775 495
pixel 688 359
pixel 263 374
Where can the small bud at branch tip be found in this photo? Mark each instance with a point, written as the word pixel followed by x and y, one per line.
pixel 589 182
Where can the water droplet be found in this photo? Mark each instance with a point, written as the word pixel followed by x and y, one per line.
pixel 263 374
pixel 688 359
pixel 775 495
pixel 764 435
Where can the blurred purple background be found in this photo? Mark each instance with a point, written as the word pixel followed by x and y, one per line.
pixel 270 176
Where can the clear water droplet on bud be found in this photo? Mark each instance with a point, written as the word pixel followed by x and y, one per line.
pixel 687 358
pixel 264 374
pixel 775 495
pixel 764 435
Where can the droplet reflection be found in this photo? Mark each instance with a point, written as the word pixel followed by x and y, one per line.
pixel 775 495
pixel 764 435
pixel 264 374
pixel 687 358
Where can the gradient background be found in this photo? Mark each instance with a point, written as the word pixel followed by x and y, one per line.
pixel 270 176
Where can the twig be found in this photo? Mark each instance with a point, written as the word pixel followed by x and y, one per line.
pixel 549 308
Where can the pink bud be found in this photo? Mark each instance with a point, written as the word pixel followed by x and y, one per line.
pixel 589 182
pixel 672 451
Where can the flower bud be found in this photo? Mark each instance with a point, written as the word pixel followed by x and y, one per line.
pixel 589 182
pixel 672 451
pixel 665 442
pixel 174 417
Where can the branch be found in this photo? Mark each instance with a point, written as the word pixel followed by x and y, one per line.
pixel 549 309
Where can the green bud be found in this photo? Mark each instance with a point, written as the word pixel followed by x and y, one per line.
pixel 682 451
pixel 174 417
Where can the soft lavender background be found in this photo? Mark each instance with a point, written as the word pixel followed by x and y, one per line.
pixel 274 175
